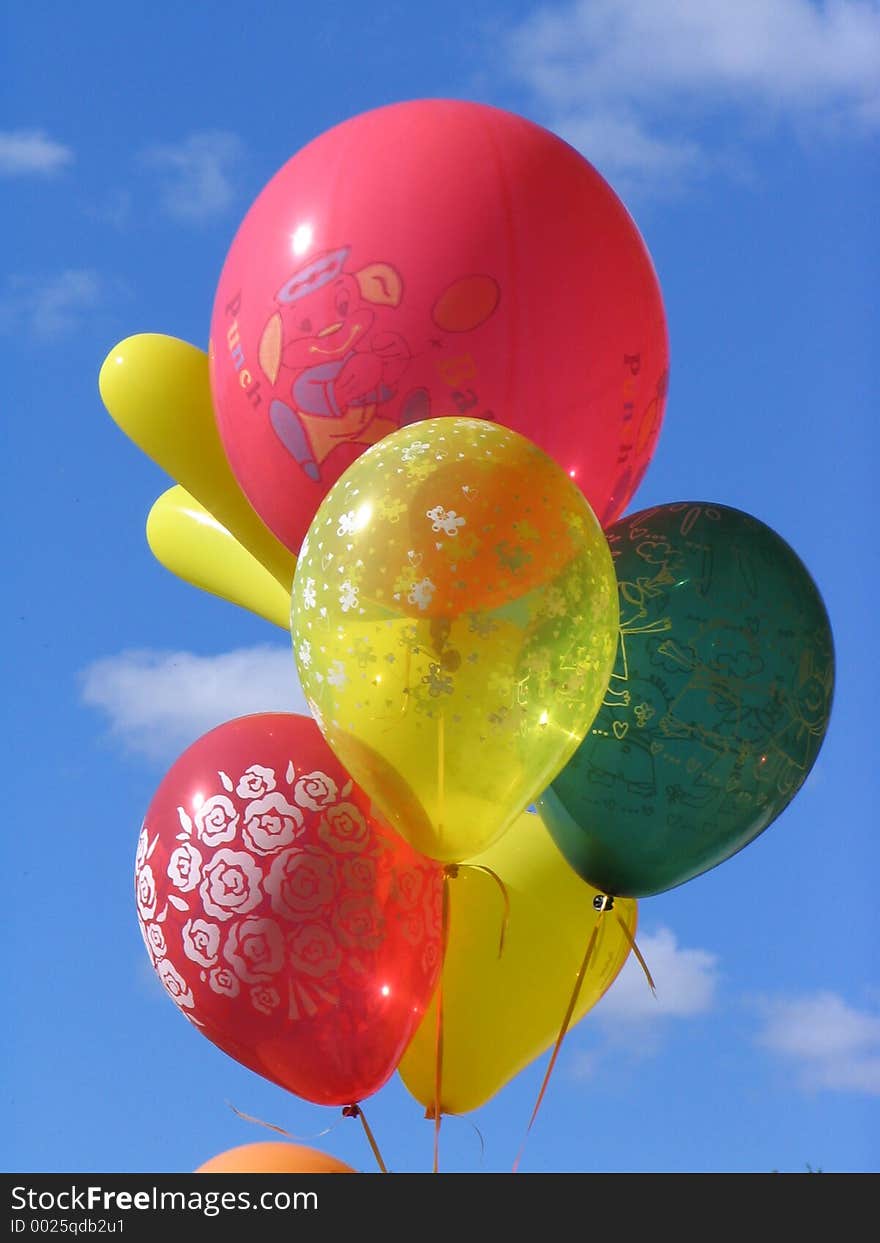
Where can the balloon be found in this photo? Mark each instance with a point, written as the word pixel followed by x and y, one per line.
pixel 274 1158
pixel 290 926
pixel 192 544
pixel 425 259
pixel 501 1012
pixel 454 619
pixel 156 388
pixel 717 707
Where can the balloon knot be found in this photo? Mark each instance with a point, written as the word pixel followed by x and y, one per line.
pixel 351 1111
pixel 451 871
pixel 603 902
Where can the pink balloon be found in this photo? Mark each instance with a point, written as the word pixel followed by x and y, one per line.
pixel 426 259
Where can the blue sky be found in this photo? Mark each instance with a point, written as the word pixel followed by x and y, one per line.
pixel 744 139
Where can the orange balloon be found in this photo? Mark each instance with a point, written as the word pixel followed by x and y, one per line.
pixel 274 1158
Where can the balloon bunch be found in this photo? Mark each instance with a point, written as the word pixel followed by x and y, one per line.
pixel 436 374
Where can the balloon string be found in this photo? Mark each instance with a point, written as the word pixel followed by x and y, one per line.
pixel 355 1111
pixel 279 1130
pixel 566 1023
pixel 482 1141
pixel 441 774
pixel 638 953
pixel 429 1113
pixel 505 922
pixel 449 873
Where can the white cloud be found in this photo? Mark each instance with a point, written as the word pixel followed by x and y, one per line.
pixel 631 1018
pixel 632 158
pixel 196 174
pixel 158 703
pixel 832 1045
pixel 52 307
pixel 630 82
pixel 28 152
pixel 685 981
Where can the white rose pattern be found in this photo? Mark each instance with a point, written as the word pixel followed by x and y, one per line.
pixel 314 791
pixel 239 955
pixel 230 884
pixel 216 820
pixel 156 938
pixel 201 941
pixel 146 893
pixel 185 867
pixel 224 982
pixel 270 824
pixel 175 985
pixel 304 654
pixel 255 782
pixel 309 598
pixel 144 937
pixel 265 999
pixel 141 857
pixel 255 950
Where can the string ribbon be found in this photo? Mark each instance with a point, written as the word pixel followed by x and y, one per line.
pixel 349 1111
pixel 279 1130
pixel 638 953
pixel 505 897
pixel 450 872
pixel 355 1111
pixel 602 903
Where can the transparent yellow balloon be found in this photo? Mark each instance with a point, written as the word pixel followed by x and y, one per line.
pixel 454 618
pixel 156 388
pixel 501 1012
pixel 192 544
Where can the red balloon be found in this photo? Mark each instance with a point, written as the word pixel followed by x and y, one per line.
pixel 426 259
pixel 294 929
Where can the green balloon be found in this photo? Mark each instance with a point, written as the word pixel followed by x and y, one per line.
pixel 716 709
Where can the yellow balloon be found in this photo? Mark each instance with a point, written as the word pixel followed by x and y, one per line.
pixel 192 544
pixel 157 389
pixel 454 617
pixel 500 1013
